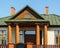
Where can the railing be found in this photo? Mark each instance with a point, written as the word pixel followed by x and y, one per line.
pixel 3 46
pixel 46 46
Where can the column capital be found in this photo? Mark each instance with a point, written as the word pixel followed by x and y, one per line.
pixel 16 23
pixel 9 23
pixel 37 23
pixel 46 25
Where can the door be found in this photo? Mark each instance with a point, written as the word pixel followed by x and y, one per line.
pixel 30 36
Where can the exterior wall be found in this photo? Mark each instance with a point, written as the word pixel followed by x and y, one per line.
pixel 51 36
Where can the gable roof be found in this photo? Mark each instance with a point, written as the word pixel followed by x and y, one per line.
pixel 53 19
pixel 30 10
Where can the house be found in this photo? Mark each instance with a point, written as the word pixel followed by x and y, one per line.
pixel 29 26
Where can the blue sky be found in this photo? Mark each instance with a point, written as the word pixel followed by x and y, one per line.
pixel 37 5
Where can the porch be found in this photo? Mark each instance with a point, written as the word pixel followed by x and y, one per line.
pixel 35 39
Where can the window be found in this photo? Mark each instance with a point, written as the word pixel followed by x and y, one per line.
pixel 56 40
pixel 21 37
pixel 56 36
pixel 30 32
pixel 57 32
pixel 3 36
pixel 27 16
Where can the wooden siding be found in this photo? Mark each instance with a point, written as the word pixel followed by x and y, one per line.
pixel 22 15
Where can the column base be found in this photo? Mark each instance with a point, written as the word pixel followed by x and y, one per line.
pixel 29 45
pixel 10 45
pixel 38 46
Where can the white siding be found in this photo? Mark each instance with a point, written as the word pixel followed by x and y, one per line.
pixel 51 36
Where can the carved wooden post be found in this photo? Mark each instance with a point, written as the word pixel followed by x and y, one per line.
pixel 37 34
pixel 45 35
pixel 10 44
pixel 17 34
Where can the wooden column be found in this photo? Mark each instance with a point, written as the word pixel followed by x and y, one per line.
pixel 10 44
pixel 9 33
pixel 37 34
pixel 58 39
pixel 45 35
pixel 17 34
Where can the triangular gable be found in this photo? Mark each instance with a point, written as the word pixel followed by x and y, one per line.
pixel 28 10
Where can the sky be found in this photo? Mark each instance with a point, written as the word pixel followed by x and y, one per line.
pixel 37 5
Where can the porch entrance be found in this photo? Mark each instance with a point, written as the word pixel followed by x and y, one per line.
pixel 29 36
pixel 24 37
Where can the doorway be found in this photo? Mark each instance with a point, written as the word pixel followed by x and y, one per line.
pixel 41 37
pixel 30 36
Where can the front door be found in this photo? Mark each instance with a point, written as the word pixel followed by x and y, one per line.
pixel 30 36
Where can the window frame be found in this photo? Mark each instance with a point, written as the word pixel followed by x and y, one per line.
pixel 21 35
pixel 27 15
pixel 56 35
pixel 30 32
pixel 5 36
